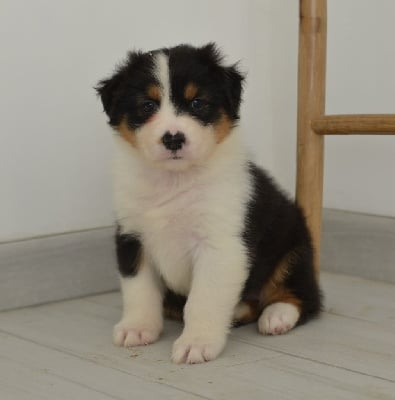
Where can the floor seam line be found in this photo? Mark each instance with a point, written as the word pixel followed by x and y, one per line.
pixel 104 366
pixel 318 362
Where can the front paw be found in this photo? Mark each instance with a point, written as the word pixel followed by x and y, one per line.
pixel 130 333
pixel 195 349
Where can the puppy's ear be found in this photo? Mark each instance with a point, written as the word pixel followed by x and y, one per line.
pixel 109 90
pixel 211 54
pixel 232 78
pixel 233 86
pixel 112 90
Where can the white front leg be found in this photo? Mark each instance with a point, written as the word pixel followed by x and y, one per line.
pixel 219 274
pixel 142 320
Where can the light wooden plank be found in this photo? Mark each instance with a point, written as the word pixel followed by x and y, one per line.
pixel 283 377
pixel 359 298
pixel 336 339
pixel 19 383
pixel 293 378
pixel 31 371
pixel 91 360
pixel 83 329
pixel 112 299
pixel 352 344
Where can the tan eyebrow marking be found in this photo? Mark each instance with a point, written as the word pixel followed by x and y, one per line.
pixel 190 91
pixel 153 92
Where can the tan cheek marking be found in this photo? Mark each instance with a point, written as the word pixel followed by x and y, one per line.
pixel 190 91
pixel 154 93
pixel 127 133
pixel 222 127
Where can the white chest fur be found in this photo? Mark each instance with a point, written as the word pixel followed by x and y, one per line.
pixel 179 214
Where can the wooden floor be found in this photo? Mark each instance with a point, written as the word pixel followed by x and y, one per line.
pixel 63 351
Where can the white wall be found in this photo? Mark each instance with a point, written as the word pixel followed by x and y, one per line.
pixel 55 147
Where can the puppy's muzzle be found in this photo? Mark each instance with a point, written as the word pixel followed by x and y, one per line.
pixel 173 142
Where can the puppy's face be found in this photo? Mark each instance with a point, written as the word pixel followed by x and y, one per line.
pixel 174 106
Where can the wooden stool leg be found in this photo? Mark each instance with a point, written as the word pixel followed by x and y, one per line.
pixel 311 104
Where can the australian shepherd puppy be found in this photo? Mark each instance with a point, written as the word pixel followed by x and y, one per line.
pixel 203 235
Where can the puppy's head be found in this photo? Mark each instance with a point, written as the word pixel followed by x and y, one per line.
pixel 174 105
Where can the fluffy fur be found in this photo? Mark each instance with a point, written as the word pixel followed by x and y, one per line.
pixel 203 233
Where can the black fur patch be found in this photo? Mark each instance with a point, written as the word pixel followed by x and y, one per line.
pixel 276 227
pixel 125 93
pixel 173 305
pixel 219 86
pixel 129 252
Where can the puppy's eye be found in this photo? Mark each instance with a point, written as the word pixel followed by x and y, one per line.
pixel 149 106
pixel 198 104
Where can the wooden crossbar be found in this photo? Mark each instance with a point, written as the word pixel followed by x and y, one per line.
pixel 354 124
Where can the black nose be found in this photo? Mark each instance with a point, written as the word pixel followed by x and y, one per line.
pixel 173 142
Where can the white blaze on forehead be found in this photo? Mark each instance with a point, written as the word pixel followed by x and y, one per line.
pixel 166 120
pixel 163 76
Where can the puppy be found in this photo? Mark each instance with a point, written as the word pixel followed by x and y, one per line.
pixel 203 235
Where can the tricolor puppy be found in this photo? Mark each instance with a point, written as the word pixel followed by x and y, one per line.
pixel 203 234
